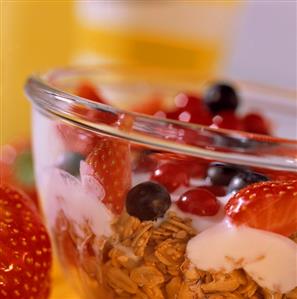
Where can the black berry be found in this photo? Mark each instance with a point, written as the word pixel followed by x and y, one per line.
pixel 70 162
pixel 244 179
pixel 148 201
pixel 222 173
pixel 221 97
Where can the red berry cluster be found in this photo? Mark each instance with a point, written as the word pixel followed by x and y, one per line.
pixel 216 108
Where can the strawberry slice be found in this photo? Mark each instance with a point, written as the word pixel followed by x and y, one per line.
pixel 270 206
pixel 25 252
pixel 110 160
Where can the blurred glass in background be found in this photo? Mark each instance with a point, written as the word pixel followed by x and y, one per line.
pixel 190 36
pixel 181 36
pixel 250 40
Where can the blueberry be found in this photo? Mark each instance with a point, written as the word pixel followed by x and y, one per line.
pixel 220 97
pixel 244 179
pixel 147 201
pixel 222 173
pixel 70 162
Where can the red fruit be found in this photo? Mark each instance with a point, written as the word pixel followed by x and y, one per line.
pixel 255 123
pixel 194 167
pixel 199 201
pixel 189 108
pixel 216 190
pixel 171 176
pixel 151 106
pixel 110 160
pixel 276 175
pixel 144 162
pixel 88 91
pixel 25 251
pixel 270 206
pixel 16 167
pixel 227 120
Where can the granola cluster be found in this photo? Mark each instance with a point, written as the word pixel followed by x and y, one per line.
pixel 146 260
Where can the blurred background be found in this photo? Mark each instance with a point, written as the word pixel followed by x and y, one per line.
pixel 249 40
pixel 246 40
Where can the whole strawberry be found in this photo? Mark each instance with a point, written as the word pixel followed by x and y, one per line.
pixel 25 251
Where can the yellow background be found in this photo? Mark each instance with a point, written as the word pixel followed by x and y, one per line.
pixel 34 36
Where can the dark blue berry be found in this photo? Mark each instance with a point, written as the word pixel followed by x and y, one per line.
pixel 70 162
pixel 147 201
pixel 222 173
pixel 219 97
pixel 244 179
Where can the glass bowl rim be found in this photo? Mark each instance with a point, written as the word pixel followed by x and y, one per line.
pixel 45 97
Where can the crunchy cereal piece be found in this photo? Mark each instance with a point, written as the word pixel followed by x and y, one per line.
pixel 173 227
pixel 120 258
pixel 185 292
pixel 271 295
pixel 292 294
pixel 170 252
pixel 249 288
pixel 147 276
pixel 140 295
pixel 126 226
pixel 149 258
pixel 174 270
pixel 153 293
pixel 229 284
pixel 199 293
pixel 192 274
pixel 141 237
pixel 234 295
pixel 172 287
pixel 119 280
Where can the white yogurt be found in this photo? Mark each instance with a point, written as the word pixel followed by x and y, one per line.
pixel 269 258
pixel 80 200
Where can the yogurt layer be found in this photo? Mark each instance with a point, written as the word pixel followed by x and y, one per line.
pixel 269 258
pixel 78 199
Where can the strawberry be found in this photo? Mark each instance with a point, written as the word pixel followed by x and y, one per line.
pixel 268 206
pixel 25 252
pixel 110 160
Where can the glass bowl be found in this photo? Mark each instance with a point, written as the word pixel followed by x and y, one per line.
pixel 121 191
